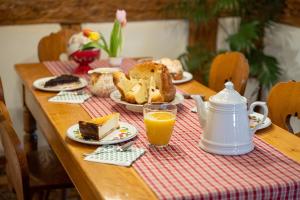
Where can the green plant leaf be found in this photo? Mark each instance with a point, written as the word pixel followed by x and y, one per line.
pixel 244 39
pixel 115 39
pixel 104 46
pixel 226 6
pixel 195 10
pixel 197 59
pixel 91 45
pixel 264 67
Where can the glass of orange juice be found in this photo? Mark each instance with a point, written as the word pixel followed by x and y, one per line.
pixel 159 119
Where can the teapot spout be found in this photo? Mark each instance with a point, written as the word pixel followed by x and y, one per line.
pixel 201 109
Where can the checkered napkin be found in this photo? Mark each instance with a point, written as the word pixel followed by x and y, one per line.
pixel 70 97
pixel 110 154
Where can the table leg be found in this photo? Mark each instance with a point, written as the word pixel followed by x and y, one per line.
pixel 30 137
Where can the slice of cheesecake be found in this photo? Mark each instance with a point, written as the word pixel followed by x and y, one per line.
pixel 98 128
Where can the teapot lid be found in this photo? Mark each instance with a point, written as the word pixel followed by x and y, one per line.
pixel 228 95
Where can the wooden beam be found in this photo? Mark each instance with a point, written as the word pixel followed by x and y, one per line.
pixel 14 12
pixel 206 34
pixel 291 13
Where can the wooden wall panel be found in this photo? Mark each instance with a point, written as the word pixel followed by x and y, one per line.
pixel 71 13
pixel 78 11
pixel 291 13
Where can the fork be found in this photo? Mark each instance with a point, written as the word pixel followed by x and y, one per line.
pixel 121 148
pixel 80 92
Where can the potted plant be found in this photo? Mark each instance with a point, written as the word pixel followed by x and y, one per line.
pixel 83 48
pixel 254 18
pixel 114 47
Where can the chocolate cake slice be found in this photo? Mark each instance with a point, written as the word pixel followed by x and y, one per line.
pixel 62 79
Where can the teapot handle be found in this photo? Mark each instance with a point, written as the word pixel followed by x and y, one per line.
pixel 265 113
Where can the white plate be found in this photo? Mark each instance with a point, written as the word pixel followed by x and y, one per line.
pixel 122 134
pixel 116 97
pixel 187 76
pixel 255 117
pixel 40 84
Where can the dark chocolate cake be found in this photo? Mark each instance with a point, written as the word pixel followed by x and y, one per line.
pixel 88 130
pixel 62 79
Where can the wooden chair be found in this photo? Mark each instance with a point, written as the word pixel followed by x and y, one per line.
pixel 52 46
pixel 283 103
pixel 1 92
pixel 38 171
pixel 230 66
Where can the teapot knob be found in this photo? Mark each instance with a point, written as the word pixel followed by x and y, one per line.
pixel 229 85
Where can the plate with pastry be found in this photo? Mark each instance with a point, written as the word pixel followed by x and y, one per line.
pixel 60 83
pixel 145 82
pixel 176 70
pixel 256 118
pixel 186 77
pixel 102 131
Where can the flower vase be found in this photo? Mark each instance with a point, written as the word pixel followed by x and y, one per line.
pixel 115 61
pixel 84 58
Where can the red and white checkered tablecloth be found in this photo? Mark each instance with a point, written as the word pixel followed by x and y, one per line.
pixel 184 171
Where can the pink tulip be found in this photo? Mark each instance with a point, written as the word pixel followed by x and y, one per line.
pixel 121 17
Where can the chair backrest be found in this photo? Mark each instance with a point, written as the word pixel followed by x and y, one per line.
pixel 284 102
pixel 16 162
pixel 52 46
pixel 229 66
pixel 1 92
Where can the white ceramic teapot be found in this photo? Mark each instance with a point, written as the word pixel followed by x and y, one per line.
pixel 225 122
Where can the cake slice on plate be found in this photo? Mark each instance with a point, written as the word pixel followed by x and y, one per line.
pixel 98 128
pixel 62 79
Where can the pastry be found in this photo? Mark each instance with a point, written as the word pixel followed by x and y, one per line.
pixel 174 67
pixel 98 128
pixel 146 82
pixel 62 79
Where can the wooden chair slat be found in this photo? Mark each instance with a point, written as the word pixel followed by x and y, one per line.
pixel 27 174
pixel 52 46
pixel 1 92
pixel 229 66
pixel 16 162
pixel 284 102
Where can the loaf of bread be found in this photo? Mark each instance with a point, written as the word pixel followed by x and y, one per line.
pixel 145 82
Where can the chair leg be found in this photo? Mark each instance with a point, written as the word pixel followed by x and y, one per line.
pixel 30 137
pixel 38 195
pixel 63 194
pixel 47 195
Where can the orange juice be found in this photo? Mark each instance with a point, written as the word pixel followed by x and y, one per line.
pixel 159 127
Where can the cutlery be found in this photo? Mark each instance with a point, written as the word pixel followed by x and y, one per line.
pixel 125 146
pixel 80 92
pixel 121 148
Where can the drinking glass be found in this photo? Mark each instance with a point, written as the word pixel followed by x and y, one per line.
pixel 159 119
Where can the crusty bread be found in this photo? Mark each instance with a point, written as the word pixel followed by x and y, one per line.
pixel 174 66
pixel 147 82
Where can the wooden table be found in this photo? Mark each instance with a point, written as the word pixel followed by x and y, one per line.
pixel 100 181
